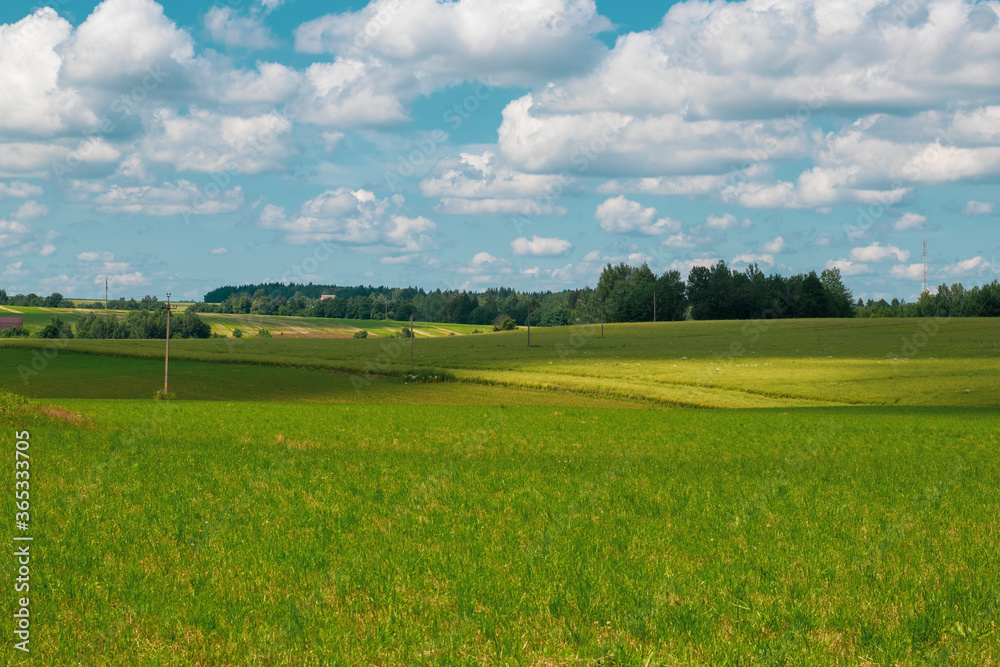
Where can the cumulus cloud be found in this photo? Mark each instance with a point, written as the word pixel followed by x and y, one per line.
pixel 122 39
pixel 34 102
pixel 711 88
pixel 969 267
pixel 540 246
pixel 774 246
pixel 20 190
pixel 623 216
pixel 907 271
pixel 225 25
pixel 910 221
pixel 522 42
pixel 483 176
pixel 209 142
pixel 96 256
pixel 848 268
pixel 351 217
pixel 726 221
pixel 170 198
pixel 973 207
pixel 754 258
pixel 876 252
pixel 488 207
pixel 31 210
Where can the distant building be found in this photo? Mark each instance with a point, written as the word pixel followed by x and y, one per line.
pixel 11 322
pixel 327 296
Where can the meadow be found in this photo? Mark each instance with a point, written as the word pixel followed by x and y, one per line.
pixel 278 325
pixel 308 502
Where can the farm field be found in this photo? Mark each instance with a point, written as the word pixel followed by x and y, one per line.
pixel 779 363
pixel 826 496
pixel 307 327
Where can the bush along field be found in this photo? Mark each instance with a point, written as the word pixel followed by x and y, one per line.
pixel 294 506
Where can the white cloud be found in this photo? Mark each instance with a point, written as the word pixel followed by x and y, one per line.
pixel 726 221
pixel 31 210
pixel 848 268
pixel 41 159
pixel 679 240
pixel 519 42
pixel 823 240
pixel 475 175
pixel 968 267
pixel 226 26
pixel 754 258
pixel 483 266
pixel 684 266
pixel 47 250
pixel 13 233
pixel 491 207
pixel 349 93
pixel 973 207
pixel 879 253
pixel 20 190
pixel 208 142
pixel 125 40
pixel 624 216
pixel 400 259
pixel 96 256
pixel 269 83
pixel 33 102
pixel 774 246
pixel 909 221
pixel 179 198
pixel 356 218
pixel 218 251
pixel 540 246
pixel 907 271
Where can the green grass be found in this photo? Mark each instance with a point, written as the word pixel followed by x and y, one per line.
pixel 304 504
pixel 326 327
pixel 270 533
pixel 308 327
pixel 715 364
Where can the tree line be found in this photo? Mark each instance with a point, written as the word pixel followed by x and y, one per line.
pixel 624 293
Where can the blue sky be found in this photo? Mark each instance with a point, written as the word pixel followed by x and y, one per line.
pixel 181 146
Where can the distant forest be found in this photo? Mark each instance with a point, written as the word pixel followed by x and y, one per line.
pixel 624 293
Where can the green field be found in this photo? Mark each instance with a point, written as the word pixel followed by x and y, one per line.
pixel 308 502
pixel 307 327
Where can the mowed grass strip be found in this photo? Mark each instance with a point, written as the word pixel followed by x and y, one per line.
pixel 196 533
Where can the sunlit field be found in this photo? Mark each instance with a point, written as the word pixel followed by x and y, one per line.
pixel 825 497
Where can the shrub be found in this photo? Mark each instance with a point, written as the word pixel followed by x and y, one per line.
pixel 264 333
pixel 237 333
pixel 161 395
pixel 403 333
pixel 56 329
pixel 507 324
pixel 361 334
pixel 15 332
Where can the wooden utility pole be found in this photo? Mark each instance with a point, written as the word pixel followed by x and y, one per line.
pixel 411 341
pixel 654 304
pixel 529 323
pixel 105 292
pixel 602 319
pixel 166 356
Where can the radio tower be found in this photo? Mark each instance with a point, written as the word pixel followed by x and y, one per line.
pixel 925 268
